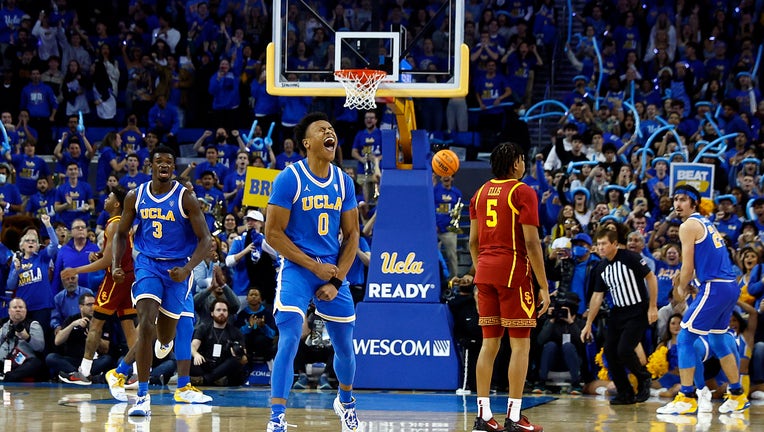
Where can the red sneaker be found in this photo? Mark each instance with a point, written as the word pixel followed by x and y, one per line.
pixel 523 425
pixel 483 426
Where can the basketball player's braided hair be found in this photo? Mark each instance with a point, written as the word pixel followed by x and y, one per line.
pixel 503 159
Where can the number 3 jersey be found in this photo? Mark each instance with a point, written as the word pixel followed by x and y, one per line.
pixel 712 261
pixel 501 208
pixel 316 205
pixel 163 230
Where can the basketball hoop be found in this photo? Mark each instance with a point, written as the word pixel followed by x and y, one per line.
pixel 360 86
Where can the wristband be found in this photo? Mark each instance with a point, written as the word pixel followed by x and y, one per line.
pixel 336 282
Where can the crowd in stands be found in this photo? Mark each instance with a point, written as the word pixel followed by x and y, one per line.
pixel 160 66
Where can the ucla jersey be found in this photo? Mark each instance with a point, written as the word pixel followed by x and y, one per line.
pixel 712 260
pixel 316 205
pixel 163 230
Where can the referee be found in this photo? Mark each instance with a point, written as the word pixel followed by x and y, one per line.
pixel 623 273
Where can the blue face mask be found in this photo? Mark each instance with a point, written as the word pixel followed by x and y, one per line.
pixel 579 251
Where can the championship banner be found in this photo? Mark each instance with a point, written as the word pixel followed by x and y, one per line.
pixel 698 175
pixel 258 186
pixel 401 339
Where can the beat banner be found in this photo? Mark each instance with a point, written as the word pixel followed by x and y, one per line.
pixel 411 341
pixel 698 175
pixel 404 264
pixel 258 185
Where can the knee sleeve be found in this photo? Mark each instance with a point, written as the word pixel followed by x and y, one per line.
pixel 290 329
pixel 686 349
pixel 722 344
pixel 184 333
pixel 341 335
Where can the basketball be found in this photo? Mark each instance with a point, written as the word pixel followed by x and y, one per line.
pixel 445 163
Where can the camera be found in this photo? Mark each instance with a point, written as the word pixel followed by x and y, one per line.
pixel 564 302
pixel 236 348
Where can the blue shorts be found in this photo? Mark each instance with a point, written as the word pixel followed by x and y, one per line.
pixel 297 286
pixel 152 280
pixel 711 310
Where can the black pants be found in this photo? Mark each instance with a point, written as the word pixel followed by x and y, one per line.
pixel 31 369
pixel 211 372
pixel 625 329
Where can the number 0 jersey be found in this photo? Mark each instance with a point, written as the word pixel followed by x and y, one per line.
pixel 163 230
pixel 712 261
pixel 316 205
pixel 501 208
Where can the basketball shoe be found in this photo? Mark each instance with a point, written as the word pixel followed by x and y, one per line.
pixel 704 400
pixel 734 403
pixel 680 405
pixel 347 415
pixel 522 425
pixel 192 395
pixel 486 425
pixel 142 407
pixel 116 382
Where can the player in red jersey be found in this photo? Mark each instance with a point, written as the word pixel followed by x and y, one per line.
pixel 112 297
pixel 505 247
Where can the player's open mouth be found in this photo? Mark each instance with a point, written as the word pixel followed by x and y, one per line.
pixel 329 142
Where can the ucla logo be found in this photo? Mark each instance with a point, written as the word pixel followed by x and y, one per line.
pixel 391 265
pixel 156 213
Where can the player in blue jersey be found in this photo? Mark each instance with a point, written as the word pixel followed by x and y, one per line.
pixel 313 223
pixel 171 238
pixel 704 253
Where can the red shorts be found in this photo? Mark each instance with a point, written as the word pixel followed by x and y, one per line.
pixel 502 307
pixel 115 298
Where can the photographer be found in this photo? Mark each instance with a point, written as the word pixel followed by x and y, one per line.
pixel 560 338
pixel 218 350
pixel 21 340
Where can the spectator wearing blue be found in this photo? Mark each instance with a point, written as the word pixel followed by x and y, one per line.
pixel 233 185
pixel 726 219
pixel 10 22
pixel 627 36
pixel 66 302
pixel 447 196
pixel 660 181
pixel 163 119
pixel 38 98
pixel 288 156
pixel 356 276
pixel 224 89
pixel 133 177
pixel 29 273
pixel 521 62
pixel 244 254
pixel 744 92
pixel 666 269
pixel 110 159
pixel 257 146
pixel 207 189
pixel 43 200
pixel 492 89
pixel 367 142
pixel 10 197
pixel 211 163
pixel 292 110
pixel 691 125
pixel 29 167
pixel 75 253
pixel 579 93
pixel 256 323
pixel 74 198
pixel 73 152
pixel 730 120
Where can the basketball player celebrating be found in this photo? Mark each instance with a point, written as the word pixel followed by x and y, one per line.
pixel 704 253
pixel 505 246
pixel 112 297
pixel 170 229
pixel 311 208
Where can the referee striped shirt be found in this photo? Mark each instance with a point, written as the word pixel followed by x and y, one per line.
pixel 624 278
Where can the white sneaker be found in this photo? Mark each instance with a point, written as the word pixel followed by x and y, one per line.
pixel 142 407
pixel 757 395
pixel 116 382
pixel 161 351
pixel 191 395
pixel 280 426
pixel 704 400
pixel 347 415
pixel 679 406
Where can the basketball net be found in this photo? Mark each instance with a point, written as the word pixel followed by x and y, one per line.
pixel 360 86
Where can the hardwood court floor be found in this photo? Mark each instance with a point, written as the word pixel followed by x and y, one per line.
pixel 65 408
